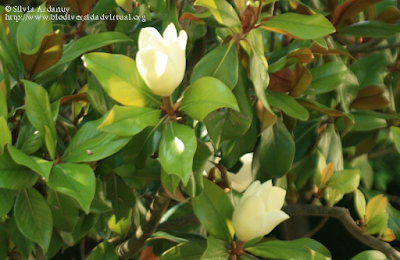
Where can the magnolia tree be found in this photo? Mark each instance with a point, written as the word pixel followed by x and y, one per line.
pixel 205 129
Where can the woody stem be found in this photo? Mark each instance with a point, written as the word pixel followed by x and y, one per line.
pixel 167 106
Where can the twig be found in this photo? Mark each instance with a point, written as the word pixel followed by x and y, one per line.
pixel 363 47
pixel 343 215
pixel 134 244
pixel 380 153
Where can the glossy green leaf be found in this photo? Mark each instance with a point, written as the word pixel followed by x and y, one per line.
pixel 3 105
pixel 214 214
pixel 206 95
pixel 6 200
pixel 371 70
pixel 216 250
pixel 177 148
pixel 370 255
pixel 39 113
pixel 100 204
pixel 327 77
pixel 371 29
pixel 15 176
pixel 378 223
pixel 128 121
pixel 24 244
pixel 227 124
pixel 367 123
pixel 120 79
pixel 345 180
pixel 221 63
pixel 64 210
pixel 185 251
pixel 394 220
pixel 201 157
pixel 75 180
pixel 300 26
pixel 31 31
pixel 222 11
pixel 295 249
pixel 104 251
pixel 89 144
pixel 36 164
pixel 287 104
pixel 277 149
pixel 33 217
pixel 170 181
pixel 360 203
pixel 121 196
pixel 396 136
pixel 330 146
pixel 29 139
pixel 5 137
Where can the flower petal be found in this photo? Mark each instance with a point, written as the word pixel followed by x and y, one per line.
pixel 245 217
pixel 157 70
pixel 150 37
pixel 276 198
pixel 242 179
pixel 270 220
pixel 170 36
pixel 252 189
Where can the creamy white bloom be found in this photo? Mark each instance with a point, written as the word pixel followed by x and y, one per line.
pixel 259 211
pixel 161 61
pixel 242 179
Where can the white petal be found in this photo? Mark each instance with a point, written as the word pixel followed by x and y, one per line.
pixel 252 189
pixel 157 70
pixel 265 189
pixel 170 36
pixel 242 179
pixel 178 54
pixel 182 40
pixel 276 198
pixel 270 220
pixel 150 37
pixel 244 216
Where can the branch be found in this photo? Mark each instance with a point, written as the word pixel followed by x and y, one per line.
pixel 134 244
pixel 363 47
pixel 343 215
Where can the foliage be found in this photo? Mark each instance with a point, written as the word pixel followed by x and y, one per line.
pixel 89 151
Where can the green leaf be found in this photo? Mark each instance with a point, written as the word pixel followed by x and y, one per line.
pixel 89 144
pixel 296 249
pixel 120 79
pixel 201 156
pixel 36 164
pixel 287 104
pixel 360 203
pixel 327 77
pixel 24 244
pixel 330 146
pixel 185 251
pixel 367 123
pixel 64 210
pixel 104 251
pixel 371 29
pixel 300 26
pixel 221 63
pixel 170 181
pixel 3 105
pixel 128 121
pixel 5 137
pixel 277 149
pixel 122 197
pixel 75 180
pixel 378 223
pixel 345 180
pixel 214 214
pixel 100 204
pixel 31 31
pixel 206 95
pixel 396 136
pixel 177 148
pixel 370 255
pixel 6 201
pixel 371 70
pixel 14 176
pixel 222 11
pixel 216 250
pixel 33 217
pixel 29 139
pixel 227 124
pixel 394 220
pixel 38 111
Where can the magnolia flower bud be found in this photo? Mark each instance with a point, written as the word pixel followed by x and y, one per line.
pixel 242 179
pixel 160 60
pixel 259 211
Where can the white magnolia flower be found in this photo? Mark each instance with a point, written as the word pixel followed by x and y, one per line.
pixel 161 61
pixel 259 211
pixel 242 179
